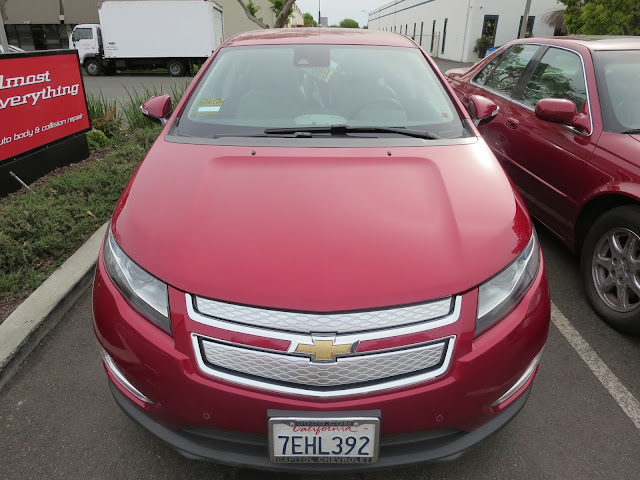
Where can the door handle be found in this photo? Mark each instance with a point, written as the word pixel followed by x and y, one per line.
pixel 512 122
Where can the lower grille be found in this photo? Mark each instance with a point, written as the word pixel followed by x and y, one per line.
pixel 346 376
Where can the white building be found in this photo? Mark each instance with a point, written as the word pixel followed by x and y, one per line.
pixel 449 28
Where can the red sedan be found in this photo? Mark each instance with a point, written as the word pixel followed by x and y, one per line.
pixel 320 265
pixel 568 134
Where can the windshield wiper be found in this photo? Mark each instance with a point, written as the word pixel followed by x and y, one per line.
pixel 633 131
pixel 345 129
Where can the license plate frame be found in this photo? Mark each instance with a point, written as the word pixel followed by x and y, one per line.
pixel 309 421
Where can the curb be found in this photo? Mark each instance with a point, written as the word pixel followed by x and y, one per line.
pixel 23 330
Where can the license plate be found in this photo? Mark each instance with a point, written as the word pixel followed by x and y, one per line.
pixel 324 440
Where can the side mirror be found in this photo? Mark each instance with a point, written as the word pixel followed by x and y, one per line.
pixel 556 110
pixel 74 37
pixel 563 111
pixel 482 109
pixel 157 108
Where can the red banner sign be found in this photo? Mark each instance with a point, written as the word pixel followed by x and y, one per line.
pixel 41 100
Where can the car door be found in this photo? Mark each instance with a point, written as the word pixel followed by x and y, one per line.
pixel 498 80
pixel 83 40
pixel 547 160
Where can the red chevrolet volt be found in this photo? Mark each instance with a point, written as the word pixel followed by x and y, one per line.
pixel 320 265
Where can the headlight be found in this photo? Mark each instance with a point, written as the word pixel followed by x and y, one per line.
pixel 148 295
pixel 498 296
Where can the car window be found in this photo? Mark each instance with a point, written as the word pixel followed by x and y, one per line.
pixel 248 89
pixel 505 75
pixel 618 75
pixel 481 77
pixel 559 75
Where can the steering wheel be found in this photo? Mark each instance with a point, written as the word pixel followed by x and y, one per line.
pixel 392 102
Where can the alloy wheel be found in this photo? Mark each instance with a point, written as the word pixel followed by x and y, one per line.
pixel 615 268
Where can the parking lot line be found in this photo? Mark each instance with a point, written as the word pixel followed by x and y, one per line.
pixel 618 391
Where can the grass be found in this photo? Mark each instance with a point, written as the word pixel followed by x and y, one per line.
pixel 98 105
pixel 39 230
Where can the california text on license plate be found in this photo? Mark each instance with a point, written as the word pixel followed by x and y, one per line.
pixel 324 440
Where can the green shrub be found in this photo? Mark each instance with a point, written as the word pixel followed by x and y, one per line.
pixel 98 105
pixel 482 45
pixel 97 139
pixel 110 124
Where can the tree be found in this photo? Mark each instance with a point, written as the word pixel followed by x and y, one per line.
pixel 282 12
pixel 308 20
pixel 253 8
pixel 555 19
pixel 602 17
pixel 349 23
pixel 277 7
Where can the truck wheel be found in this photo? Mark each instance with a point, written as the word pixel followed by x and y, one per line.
pixel 610 264
pixel 176 68
pixel 93 67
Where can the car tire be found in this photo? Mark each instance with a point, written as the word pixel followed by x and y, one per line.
pixel 610 267
pixel 93 67
pixel 176 68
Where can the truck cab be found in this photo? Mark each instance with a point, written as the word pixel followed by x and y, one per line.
pixel 87 40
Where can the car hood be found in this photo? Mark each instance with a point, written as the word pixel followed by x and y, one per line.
pixel 456 72
pixel 321 229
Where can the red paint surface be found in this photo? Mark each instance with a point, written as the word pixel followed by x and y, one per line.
pixel 321 229
pixel 164 369
pixel 49 119
pixel 560 172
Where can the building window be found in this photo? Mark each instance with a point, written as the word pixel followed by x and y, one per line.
pixel 433 35
pixel 490 27
pixel 37 37
pixel 529 31
pixel 444 33
pixel 421 30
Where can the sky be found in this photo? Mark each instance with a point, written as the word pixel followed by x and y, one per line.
pixel 336 10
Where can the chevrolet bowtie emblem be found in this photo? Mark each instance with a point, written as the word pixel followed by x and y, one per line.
pixel 323 350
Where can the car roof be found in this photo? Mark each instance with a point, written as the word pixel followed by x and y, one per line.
pixel 319 35
pixel 592 42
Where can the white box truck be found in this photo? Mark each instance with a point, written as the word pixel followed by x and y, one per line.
pixel 175 35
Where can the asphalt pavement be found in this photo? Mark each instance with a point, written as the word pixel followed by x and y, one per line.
pixel 58 420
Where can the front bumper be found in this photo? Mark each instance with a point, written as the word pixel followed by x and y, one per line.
pixel 229 448
pixel 213 419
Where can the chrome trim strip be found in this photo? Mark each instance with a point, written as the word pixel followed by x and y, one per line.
pixel 532 109
pixel 338 392
pixel 344 372
pixel 296 338
pixel 338 322
pixel 521 381
pixel 115 371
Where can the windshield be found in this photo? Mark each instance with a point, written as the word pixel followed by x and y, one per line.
pixel 618 75
pixel 250 89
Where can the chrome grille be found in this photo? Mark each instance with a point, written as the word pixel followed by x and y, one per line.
pixel 347 372
pixel 324 323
